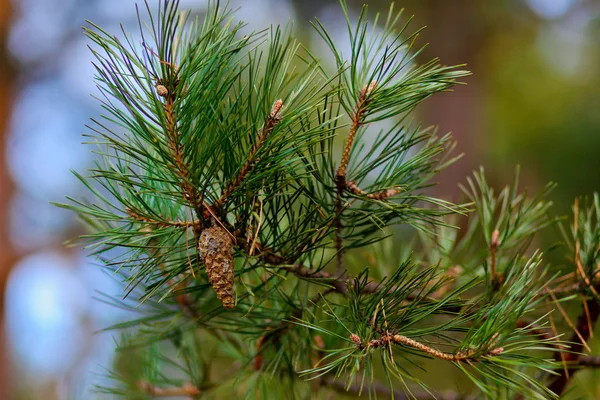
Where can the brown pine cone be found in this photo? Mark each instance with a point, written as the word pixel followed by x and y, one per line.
pixel 216 248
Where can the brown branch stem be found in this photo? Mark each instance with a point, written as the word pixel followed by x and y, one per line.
pixel 357 121
pixel 187 188
pixel 135 214
pixel 379 195
pixel 589 361
pixel 340 177
pixel 387 339
pixel 272 120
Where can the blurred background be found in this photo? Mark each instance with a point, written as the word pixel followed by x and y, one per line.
pixel 533 100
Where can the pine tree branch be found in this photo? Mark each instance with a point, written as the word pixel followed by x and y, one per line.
pixel 183 300
pixel 135 214
pixel 342 284
pixel 380 195
pixel 357 122
pixel 340 177
pixel 339 284
pixel 263 134
pixel 172 134
pixel 342 184
pixel 387 339
pixel 584 322
pixel 588 317
pixel 274 333
pixel 589 361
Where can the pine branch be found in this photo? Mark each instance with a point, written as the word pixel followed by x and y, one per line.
pixel 272 120
pixel 340 176
pixel 202 138
pixel 586 320
pixel 340 284
pixel 380 195
pixel 357 121
pixel 583 240
pixel 387 339
pixel 172 134
pixel 589 361
pixel 183 300
pixel 137 215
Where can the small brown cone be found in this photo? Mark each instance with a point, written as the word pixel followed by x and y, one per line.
pixel 216 249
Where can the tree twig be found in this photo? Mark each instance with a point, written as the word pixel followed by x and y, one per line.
pixel 172 134
pixel 380 195
pixel 589 361
pixel 135 214
pixel 340 177
pixel 357 121
pixel 272 120
pixel 387 339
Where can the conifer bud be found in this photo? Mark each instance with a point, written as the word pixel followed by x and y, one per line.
pixel 162 90
pixel 495 242
pixel 275 114
pixel 356 339
pixel 216 248
pixel 366 91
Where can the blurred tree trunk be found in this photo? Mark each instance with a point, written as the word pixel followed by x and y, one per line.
pixel 7 255
pixel 455 33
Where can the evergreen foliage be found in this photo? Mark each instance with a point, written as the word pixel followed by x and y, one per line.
pixel 220 151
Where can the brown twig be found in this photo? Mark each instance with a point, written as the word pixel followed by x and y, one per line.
pixel 172 134
pixel 387 339
pixel 340 177
pixel 589 361
pixel 135 214
pixel 258 358
pixel 272 120
pixel 379 195
pixel 357 121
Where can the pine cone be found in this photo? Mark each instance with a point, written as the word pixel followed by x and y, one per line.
pixel 216 249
